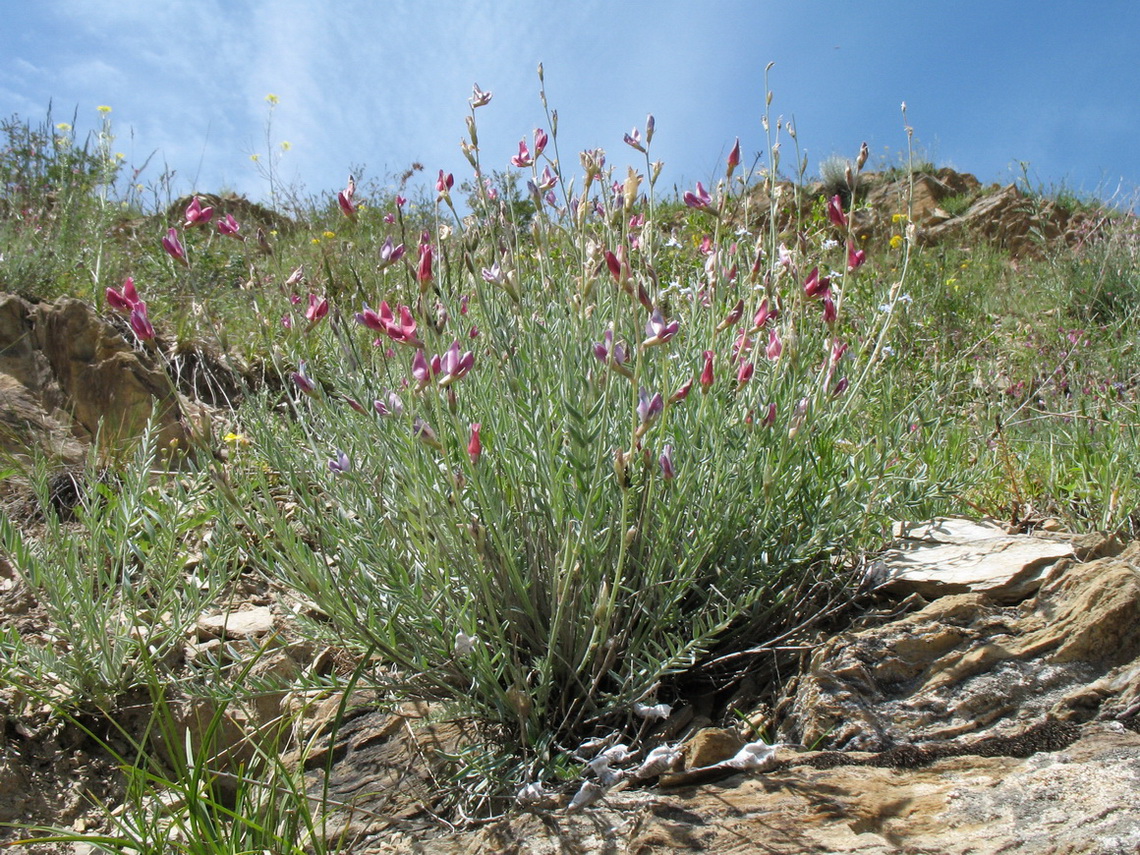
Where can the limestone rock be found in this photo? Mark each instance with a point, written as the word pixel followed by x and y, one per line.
pixel 954 556
pixel 67 375
pixel 965 665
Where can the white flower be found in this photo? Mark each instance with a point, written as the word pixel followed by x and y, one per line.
pixel 586 796
pixel 531 793
pixel 756 756
pixel 660 759
pixel 465 644
pixel 652 713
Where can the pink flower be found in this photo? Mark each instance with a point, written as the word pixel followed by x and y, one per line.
pixel 453 366
pixel 734 158
pixel 174 247
pixel 523 158
pixel 475 445
pixel 666 462
pixel 400 201
pixel 140 323
pixel 479 98
pixel 346 206
pixel 707 371
pixel 830 313
pixel 392 407
pixel 764 314
pixel 835 212
pixel 423 271
pixel 197 215
pixel 855 257
pixel 443 185
pixel 816 286
pixel 701 199
pixel 775 346
pixel 421 370
pixel 228 227
pixel 682 393
pixel 540 140
pixel 123 301
pixel 744 374
pixel 770 416
pixel 303 381
pixel 402 331
pixel 317 309
pixel 732 317
pixel 547 180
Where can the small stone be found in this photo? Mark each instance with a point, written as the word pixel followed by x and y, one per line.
pixel 711 745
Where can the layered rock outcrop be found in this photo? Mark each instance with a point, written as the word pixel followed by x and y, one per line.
pixel 69 377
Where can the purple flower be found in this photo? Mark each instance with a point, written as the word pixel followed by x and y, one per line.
pixel 390 254
pixel 633 140
pixel 423 432
pixel 392 407
pixel 666 462
pixel 649 408
pixel 657 330
pixel 341 463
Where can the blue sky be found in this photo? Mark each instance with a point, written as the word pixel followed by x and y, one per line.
pixel 382 84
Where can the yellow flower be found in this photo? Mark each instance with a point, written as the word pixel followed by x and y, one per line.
pixel 286 145
pixel 63 126
pixel 236 438
pixel 103 109
pixel 120 156
pixel 896 241
pixel 255 157
pixel 271 99
pixel 898 218
pixel 315 241
pixel 330 235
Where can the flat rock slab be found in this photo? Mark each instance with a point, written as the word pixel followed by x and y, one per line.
pixel 240 624
pixel 958 556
